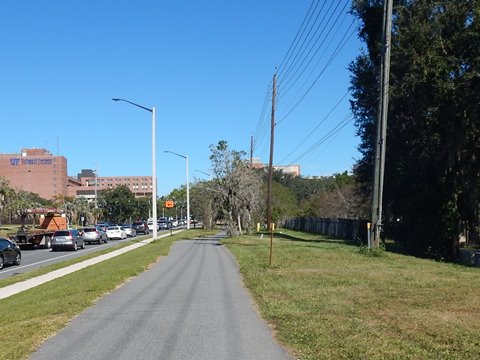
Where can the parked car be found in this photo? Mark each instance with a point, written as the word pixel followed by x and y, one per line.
pixel 129 230
pixel 67 239
pixel 141 227
pixel 102 225
pixel 163 224
pixel 9 253
pixel 116 232
pixel 94 235
pixel 150 226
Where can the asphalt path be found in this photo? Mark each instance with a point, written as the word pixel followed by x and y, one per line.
pixel 190 305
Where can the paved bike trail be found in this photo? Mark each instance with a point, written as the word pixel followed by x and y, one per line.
pixel 190 305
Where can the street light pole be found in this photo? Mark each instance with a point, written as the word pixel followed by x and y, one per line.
pixel 96 179
pixel 154 174
pixel 154 160
pixel 188 187
pixel 188 197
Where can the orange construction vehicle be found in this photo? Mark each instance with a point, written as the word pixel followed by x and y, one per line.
pixel 41 235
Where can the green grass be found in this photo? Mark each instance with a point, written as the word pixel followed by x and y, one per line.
pixel 8 229
pixel 336 301
pixel 29 318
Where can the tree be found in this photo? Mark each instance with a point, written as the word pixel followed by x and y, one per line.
pixel 432 157
pixel 142 208
pixel 69 207
pixel 119 203
pixel 239 188
pixel 332 196
pixel 203 198
pixel 6 196
pixel 179 196
pixel 23 202
pixel 284 203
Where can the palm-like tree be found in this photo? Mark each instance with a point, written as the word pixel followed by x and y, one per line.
pixel 6 194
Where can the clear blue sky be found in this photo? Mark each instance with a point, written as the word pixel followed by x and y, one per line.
pixel 204 65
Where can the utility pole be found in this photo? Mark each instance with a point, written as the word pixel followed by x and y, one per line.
pixel 270 170
pixel 377 196
pixel 251 151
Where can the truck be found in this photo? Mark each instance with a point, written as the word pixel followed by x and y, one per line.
pixel 41 235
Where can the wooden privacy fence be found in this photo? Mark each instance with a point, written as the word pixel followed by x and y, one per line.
pixel 347 229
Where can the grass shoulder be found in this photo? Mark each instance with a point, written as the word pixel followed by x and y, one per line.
pixel 327 300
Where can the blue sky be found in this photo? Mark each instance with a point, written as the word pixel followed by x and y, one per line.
pixel 205 66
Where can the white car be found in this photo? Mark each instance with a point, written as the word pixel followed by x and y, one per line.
pixel 129 230
pixel 116 232
pixel 150 226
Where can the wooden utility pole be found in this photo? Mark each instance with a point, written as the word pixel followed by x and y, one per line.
pixel 377 196
pixel 251 151
pixel 270 170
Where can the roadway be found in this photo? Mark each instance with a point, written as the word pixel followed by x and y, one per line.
pixel 37 258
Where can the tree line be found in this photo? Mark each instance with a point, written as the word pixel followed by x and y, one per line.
pixel 432 182
pixel 235 195
pixel 114 205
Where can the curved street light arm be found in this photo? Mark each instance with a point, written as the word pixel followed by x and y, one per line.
pixel 127 101
pixel 171 152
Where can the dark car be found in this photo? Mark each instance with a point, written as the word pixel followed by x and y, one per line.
pixel 163 224
pixel 9 253
pixel 141 227
pixel 102 225
pixel 68 239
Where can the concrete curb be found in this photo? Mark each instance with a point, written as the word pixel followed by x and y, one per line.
pixel 16 288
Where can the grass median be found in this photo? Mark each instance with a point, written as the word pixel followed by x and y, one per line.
pixel 327 300
pixel 49 268
pixel 30 317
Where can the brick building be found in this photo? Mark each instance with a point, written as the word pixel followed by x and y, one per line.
pixel 37 171
pixel 84 185
pixel 40 172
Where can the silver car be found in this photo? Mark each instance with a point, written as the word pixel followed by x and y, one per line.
pixel 130 230
pixel 67 239
pixel 94 235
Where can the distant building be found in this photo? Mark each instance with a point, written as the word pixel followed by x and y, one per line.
pixel 40 172
pixel 37 171
pixel 287 169
pixel 87 183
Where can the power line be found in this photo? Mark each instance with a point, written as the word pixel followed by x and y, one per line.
pixel 330 60
pixel 296 36
pixel 301 60
pixel 261 120
pixel 316 127
pixel 309 39
pixel 306 66
pixel 301 48
pixel 326 137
